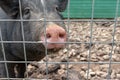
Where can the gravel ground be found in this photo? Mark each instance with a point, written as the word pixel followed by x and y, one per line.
pixel 75 63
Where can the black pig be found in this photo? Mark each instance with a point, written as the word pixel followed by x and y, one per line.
pixel 33 31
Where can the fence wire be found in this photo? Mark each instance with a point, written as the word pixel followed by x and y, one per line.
pixel 68 21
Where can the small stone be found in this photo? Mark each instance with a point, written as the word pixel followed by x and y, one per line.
pixel 99 73
pixel 70 75
pixel 117 71
pixel 90 70
pixel 104 69
pixel 78 56
pixel 104 66
pixel 83 59
pixel 30 68
pixel 113 76
pixel 106 57
pixel 61 53
pixel 70 66
pixel 104 75
pixel 87 76
pixel 95 60
pixel 75 60
pixel 96 78
pixel 84 54
pixel 65 50
pixel 100 54
pixel 63 66
pixel 61 71
pixel 82 73
pixel 77 39
pixel 73 52
pixel 70 54
pixel 100 58
pixel 92 74
pixel 84 68
pixel 115 58
pixel 94 56
pixel 118 76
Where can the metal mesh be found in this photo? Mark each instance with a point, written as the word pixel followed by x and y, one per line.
pixel 68 21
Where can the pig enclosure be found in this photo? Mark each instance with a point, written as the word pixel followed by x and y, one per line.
pixel 81 60
pixel 92 52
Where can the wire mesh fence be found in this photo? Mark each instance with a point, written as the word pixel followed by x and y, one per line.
pixel 91 52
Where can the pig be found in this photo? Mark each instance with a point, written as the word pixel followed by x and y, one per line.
pixel 48 34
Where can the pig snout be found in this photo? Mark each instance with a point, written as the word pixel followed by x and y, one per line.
pixel 55 37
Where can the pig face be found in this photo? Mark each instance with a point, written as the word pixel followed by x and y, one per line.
pixel 50 33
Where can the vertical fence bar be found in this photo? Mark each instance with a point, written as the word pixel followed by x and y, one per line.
pixel 91 32
pixel 4 56
pixel 113 39
pixel 68 28
pixel 45 22
pixel 23 36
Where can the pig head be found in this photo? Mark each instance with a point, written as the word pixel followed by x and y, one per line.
pixel 36 21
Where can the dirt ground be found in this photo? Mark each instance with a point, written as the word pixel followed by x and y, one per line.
pixel 87 56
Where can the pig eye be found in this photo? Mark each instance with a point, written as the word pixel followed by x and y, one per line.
pixel 26 11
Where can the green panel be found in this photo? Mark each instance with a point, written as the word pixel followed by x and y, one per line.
pixel 83 9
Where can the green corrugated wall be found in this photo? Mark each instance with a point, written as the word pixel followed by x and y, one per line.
pixel 83 9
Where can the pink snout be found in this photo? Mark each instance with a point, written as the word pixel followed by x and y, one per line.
pixel 55 37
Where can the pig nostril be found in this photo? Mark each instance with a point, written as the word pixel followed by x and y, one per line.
pixel 61 35
pixel 48 36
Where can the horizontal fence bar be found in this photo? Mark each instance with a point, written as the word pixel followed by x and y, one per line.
pixel 101 62
pixel 71 20
pixel 75 42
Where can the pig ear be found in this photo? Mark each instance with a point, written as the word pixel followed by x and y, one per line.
pixel 62 5
pixel 11 7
